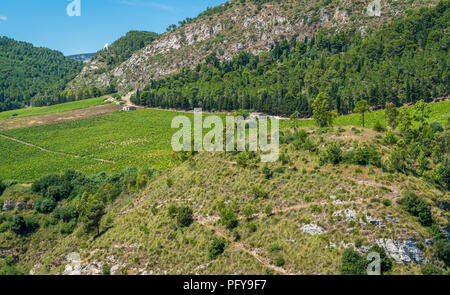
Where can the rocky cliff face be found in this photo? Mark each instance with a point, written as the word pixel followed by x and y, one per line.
pixel 242 27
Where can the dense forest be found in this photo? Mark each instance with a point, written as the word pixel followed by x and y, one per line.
pixel 31 75
pixel 401 63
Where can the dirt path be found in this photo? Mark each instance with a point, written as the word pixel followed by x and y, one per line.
pixel 127 99
pixel 240 246
pixel 53 152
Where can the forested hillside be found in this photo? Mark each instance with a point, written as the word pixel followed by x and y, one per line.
pixel 31 75
pixel 237 26
pixel 403 62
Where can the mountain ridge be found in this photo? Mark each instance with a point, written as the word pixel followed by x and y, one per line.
pixel 252 26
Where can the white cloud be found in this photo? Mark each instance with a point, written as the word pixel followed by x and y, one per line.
pixel 143 3
pixel 3 17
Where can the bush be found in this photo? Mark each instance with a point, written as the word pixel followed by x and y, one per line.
pixel 249 210
pixel 334 153
pixel 378 126
pixel 228 217
pixel 22 226
pixel 283 158
pixel 172 210
pixel 353 263
pixel 184 217
pixel 386 263
pixel 41 185
pixel 242 159
pixel 55 192
pixel 106 269
pixel 365 155
pixel 8 268
pixel 45 205
pixel 68 228
pixel 280 262
pixel 390 138
pixel 65 214
pixel 430 270
pixel 259 192
pixel 2 187
pixel 386 202
pixel 252 227
pixel 268 173
pixel 442 173
pixel 443 250
pixel 436 127
pixel 417 207
pixel 216 248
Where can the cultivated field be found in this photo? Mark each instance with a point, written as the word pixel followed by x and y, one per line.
pixel 117 140
pixel 58 108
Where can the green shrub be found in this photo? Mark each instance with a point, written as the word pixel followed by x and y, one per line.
pixel 283 158
pixel 2 187
pixel 378 126
pixel 259 192
pixel 45 205
pixel 268 210
pixel 22 226
pixel 430 270
pixel 172 210
pixel 227 215
pixel 353 263
pixel 386 263
pixel 242 159
pixel 184 217
pixel 390 138
pixel 268 173
pixel 249 210
pixel 387 202
pixel 436 127
pixel 106 269
pixel 280 262
pixel 443 250
pixel 334 153
pixel 8 268
pixel 68 228
pixel 417 207
pixel 216 248
pixel 65 214
pixel 252 227
pixel 365 155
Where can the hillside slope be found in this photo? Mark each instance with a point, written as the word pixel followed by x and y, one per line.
pixel 32 76
pixel 332 189
pixel 240 25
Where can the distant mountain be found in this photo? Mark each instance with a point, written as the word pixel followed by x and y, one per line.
pixel 85 57
pixel 32 76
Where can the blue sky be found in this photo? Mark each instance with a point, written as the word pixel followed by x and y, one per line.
pixel 46 23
